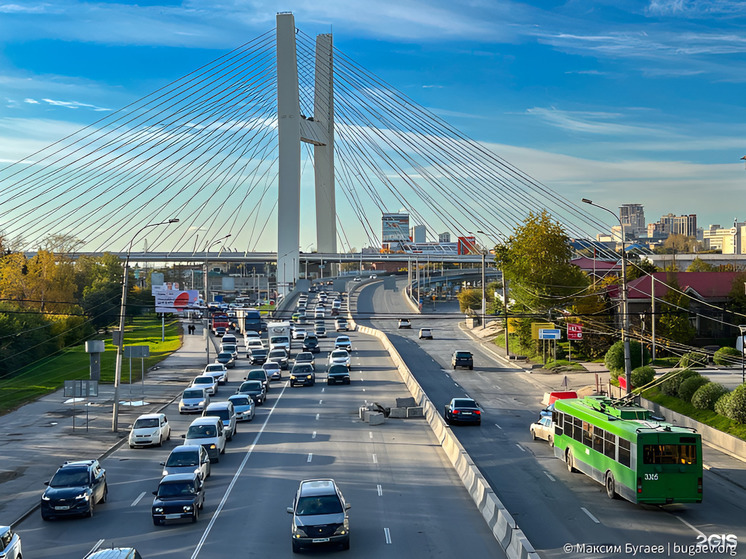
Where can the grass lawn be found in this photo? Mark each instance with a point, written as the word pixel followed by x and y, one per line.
pixel 50 373
pixel 707 417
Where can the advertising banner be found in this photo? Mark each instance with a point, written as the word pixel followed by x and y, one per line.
pixel 174 301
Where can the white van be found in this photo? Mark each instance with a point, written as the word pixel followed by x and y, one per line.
pixel 209 432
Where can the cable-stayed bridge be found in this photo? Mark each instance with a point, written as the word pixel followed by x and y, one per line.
pixel 282 143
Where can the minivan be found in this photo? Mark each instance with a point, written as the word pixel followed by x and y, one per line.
pixel 225 411
pixel 208 432
pixel 319 515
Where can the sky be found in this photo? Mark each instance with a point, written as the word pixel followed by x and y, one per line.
pixel 619 101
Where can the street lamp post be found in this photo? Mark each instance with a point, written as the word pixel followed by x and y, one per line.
pixel 742 328
pixel 207 297
pixel 625 309
pixel 120 341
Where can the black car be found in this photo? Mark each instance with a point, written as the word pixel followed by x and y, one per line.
pixel 257 355
pixel 320 515
pixel 338 373
pixel 255 389
pixel 179 496
pixel 462 359
pixel 226 358
pixel 462 410
pixel 311 343
pixel 302 374
pixel 75 489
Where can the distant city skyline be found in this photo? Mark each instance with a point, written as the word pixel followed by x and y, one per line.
pixel 621 102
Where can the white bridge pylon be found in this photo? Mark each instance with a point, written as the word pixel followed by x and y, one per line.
pixel 292 130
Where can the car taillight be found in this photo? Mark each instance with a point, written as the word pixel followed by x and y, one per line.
pixel 699 485
pixel 477 412
pixel 455 411
pixel 639 485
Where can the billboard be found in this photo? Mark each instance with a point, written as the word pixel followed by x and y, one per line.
pixel 395 228
pixel 174 301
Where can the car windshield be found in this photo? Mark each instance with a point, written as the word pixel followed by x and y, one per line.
pixel 463 354
pixel 278 340
pixel 252 385
pixel 183 459
pixel 176 489
pixel 213 368
pixel 222 414
pixel 464 404
pixel 324 504
pixel 203 380
pixel 225 355
pixel 70 477
pixel 303 357
pixel 190 394
pixel 271 366
pixel 228 348
pixel 277 353
pixel 338 354
pixel 145 423
pixel 302 368
pixel 240 401
pixel 257 374
pixel 334 369
pixel 201 432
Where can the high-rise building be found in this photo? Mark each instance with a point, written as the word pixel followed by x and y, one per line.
pixel 394 230
pixel 418 234
pixel 633 217
pixel 444 237
pixel 679 224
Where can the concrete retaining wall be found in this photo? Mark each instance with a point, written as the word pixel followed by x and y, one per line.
pixel 507 533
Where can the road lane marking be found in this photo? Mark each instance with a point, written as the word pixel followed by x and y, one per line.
pixel 496 425
pixel 370 434
pixel 310 456
pixel 314 435
pixel 586 511
pixel 323 389
pixel 317 417
pixel 363 389
pixel 387 535
pixel 375 459
pixel 549 476
pixel 519 446
pixel 320 401
pixel 240 469
pixel 380 490
pixel 134 503
pixel 690 526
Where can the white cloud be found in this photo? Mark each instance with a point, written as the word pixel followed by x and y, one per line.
pixel 74 105
pixel 31 101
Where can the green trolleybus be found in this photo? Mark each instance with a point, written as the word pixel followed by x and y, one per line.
pixel 633 455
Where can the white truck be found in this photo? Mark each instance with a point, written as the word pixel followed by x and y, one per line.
pixel 279 335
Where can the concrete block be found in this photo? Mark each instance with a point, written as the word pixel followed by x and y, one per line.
pixel 376 418
pixel 415 412
pixel 361 413
pixel 366 415
pixel 398 412
pixel 405 403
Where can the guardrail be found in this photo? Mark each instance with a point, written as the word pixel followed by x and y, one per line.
pixel 507 533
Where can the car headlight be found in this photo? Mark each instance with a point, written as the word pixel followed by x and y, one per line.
pixel 158 510
pixel 165 472
pixel 292 377
pixel 82 496
pixel 300 533
pixel 202 403
pixel 308 376
pixel 341 530
pixel 187 508
pixel 45 498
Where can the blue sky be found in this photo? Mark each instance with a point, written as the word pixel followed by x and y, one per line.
pixel 619 101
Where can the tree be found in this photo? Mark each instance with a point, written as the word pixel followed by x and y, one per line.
pixel 639 268
pixel 699 265
pixel 536 262
pixel 674 323
pixel 470 299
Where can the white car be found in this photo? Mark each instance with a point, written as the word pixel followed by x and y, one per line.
pixel 543 429
pixel 207 382
pixel 10 543
pixel 299 333
pixel 339 356
pixel 318 313
pixel 252 343
pixel 218 371
pixel 343 342
pixel 149 429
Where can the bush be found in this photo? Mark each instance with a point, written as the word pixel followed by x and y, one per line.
pixel 727 356
pixel 689 386
pixel 693 359
pixel 642 376
pixel 614 359
pixel 673 379
pixel 737 404
pixel 706 395
pixel 722 403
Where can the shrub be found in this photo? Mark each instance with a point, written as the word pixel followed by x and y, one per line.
pixel 673 379
pixel 721 405
pixel 614 359
pixel 706 395
pixel 642 376
pixel 727 356
pixel 689 386
pixel 693 359
pixel 737 404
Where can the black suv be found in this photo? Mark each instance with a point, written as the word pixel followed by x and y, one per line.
pixel 75 489
pixel 311 343
pixel 462 359
pixel 319 515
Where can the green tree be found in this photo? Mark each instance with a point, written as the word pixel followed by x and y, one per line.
pixel 638 268
pixel 699 265
pixel 674 323
pixel 470 299
pixel 536 262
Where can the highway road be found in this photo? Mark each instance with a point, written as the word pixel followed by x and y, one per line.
pixel 406 499
pixel 554 508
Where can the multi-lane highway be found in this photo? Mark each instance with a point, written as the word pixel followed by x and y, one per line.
pixel 554 508
pixel 406 499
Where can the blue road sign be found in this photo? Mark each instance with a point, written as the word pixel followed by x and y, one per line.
pixel 550 334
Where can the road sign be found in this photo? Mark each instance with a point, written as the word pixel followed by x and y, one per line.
pixel 574 331
pixel 550 334
pixel 81 388
pixel 535 326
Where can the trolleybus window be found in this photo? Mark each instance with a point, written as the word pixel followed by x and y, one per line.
pixel 587 433
pixel 624 456
pixel 610 445
pixel 669 454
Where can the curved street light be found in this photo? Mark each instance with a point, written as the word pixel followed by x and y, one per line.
pixel 625 308
pixel 120 341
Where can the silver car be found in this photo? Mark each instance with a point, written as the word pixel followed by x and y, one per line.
pixel 185 459
pixel 194 400
pixel 319 515
pixel 10 543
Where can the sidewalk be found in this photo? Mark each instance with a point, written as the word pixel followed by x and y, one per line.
pixel 729 467
pixel 38 437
